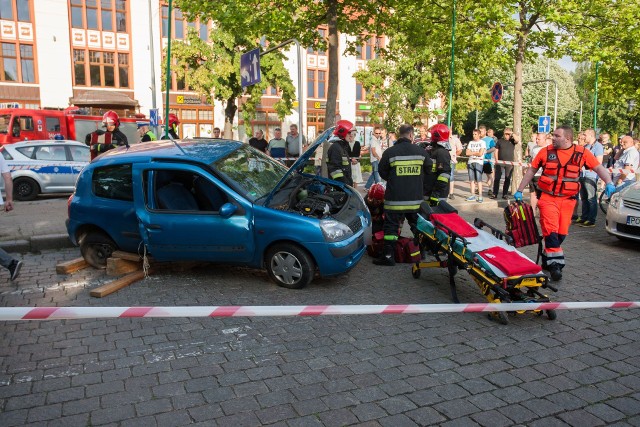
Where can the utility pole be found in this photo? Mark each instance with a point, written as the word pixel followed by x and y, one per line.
pixel 452 71
pixel 153 66
pixel 595 101
pixel 166 110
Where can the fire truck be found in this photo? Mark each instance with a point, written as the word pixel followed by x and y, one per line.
pixel 21 124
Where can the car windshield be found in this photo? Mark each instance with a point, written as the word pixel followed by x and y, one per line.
pixel 4 123
pixel 255 174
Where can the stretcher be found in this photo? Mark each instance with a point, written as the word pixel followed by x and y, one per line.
pixel 503 274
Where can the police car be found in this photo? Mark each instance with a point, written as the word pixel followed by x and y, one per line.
pixel 41 167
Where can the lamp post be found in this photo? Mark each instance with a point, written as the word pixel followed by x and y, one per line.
pixel 452 68
pixel 630 107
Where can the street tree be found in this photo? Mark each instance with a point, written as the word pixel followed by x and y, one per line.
pixel 298 19
pixel 213 70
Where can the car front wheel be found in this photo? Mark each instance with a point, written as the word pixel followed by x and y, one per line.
pixel 25 189
pixel 290 266
pixel 96 247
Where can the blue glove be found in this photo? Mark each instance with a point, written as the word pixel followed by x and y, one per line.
pixel 609 189
pixel 518 196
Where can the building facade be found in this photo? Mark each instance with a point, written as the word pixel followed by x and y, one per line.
pixel 107 54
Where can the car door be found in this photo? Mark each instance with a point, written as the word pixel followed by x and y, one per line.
pixel 80 157
pixel 178 221
pixel 53 168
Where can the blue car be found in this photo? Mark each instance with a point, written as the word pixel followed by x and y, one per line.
pixel 219 201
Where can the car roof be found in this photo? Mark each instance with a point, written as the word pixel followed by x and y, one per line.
pixel 201 150
pixel 44 142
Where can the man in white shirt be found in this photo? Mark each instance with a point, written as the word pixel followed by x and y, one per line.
pixel 375 152
pixel 626 164
pixel 6 260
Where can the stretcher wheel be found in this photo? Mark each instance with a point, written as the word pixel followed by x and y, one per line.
pixel 499 316
pixel 415 272
pixel 551 314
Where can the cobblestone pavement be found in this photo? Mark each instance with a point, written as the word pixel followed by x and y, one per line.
pixel 582 369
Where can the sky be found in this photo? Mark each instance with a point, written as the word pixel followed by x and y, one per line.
pixel 566 63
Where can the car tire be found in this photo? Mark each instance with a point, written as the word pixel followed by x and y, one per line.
pixel 290 266
pixel 96 247
pixel 25 189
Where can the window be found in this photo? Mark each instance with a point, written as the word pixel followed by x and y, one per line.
pixel 107 15
pixel 204 32
pixel 121 16
pixel 311 84
pixel 26 123
pixel 316 84
pixel 360 94
pixel 80 154
pixel 322 84
pixel 103 15
pixel 79 67
pixel 113 182
pixel 92 14
pixel 6 9
pixel 26 63
pixel 165 21
pixel 24 14
pixel 123 69
pixel 52 124
pixel 9 62
pixel 76 14
pixel 178 24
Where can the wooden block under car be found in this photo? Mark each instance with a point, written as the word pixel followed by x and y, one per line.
pixel 119 266
pixel 71 266
pixel 117 284
pixel 129 256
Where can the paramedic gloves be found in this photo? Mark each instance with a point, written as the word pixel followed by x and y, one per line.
pixel 518 196
pixel 610 189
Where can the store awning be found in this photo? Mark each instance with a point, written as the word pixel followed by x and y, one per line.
pixel 102 98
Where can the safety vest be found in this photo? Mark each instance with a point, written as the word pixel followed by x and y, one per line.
pixel 562 180
pixel 151 135
pixel 98 143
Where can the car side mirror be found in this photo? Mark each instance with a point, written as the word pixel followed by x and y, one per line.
pixel 227 210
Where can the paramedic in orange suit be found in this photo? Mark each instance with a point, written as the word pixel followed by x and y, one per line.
pixel 561 164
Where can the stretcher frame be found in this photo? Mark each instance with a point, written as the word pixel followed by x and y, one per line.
pixel 450 251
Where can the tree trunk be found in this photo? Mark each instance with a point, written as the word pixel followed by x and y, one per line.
pixel 517 108
pixel 229 114
pixel 332 86
pixel 332 51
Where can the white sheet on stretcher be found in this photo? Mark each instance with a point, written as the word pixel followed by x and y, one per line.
pixel 482 241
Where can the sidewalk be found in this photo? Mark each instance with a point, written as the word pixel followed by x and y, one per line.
pixel 36 225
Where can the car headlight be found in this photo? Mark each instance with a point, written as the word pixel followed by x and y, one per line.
pixel 614 201
pixel 335 231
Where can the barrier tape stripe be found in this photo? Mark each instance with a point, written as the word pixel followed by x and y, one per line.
pixel 58 313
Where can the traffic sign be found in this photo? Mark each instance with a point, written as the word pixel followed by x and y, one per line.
pixel 153 117
pixel 496 92
pixel 250 68
pixel 544 124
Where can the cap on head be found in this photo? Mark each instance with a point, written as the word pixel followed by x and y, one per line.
pixel 343 127
pixel 142 124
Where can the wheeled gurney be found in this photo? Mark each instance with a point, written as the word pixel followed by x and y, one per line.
pixel 502 273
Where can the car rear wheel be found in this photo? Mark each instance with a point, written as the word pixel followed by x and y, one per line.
pixel 290 266
pixel 25 189
pixel 96 247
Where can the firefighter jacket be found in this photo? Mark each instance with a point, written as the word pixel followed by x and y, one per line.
pixel 436 181
pixel 562 180
pixel 404 167
pixel 101 141
pixel 339 163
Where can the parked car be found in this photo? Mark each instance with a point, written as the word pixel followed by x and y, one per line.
pixel 623 213
pixel 40 167
pixel 221 201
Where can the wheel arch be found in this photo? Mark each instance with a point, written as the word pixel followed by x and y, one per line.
pixel 290 242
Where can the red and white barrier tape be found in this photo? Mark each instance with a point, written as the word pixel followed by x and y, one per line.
pixel 621 171
pixel 57 313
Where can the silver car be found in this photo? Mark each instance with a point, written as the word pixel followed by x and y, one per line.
pixel 623 214
pixel 40 167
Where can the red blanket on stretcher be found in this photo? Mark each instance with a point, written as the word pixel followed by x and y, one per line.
pixel 456 223
pixel 510 262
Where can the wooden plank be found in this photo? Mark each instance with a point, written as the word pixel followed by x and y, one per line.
pixel 126 255
pixel 119 266
pixel 67 267
pixel 117 284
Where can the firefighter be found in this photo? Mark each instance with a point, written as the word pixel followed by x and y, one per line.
pixel 173 127
pixel 338 161
pixel 559 183
pixel 437 182
pixel 404 167
pixel 100 141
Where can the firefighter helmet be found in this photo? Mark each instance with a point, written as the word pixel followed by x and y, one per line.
pixel 376 192
pixel 111 118
pixel 439 132
pixel 173 120
pixel 343 127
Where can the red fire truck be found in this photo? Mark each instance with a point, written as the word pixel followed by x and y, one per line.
pixel 21 124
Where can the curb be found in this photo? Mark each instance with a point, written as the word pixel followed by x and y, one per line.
pixel 37 243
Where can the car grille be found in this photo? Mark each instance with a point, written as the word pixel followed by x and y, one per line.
pixel 627 229
pixel 632 204
pixel 356 225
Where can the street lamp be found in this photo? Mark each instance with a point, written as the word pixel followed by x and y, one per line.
pixel 630 107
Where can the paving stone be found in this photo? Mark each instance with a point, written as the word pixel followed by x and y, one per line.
pixel 580 418
pixel 338 417
pixel 491 419
pixel 425 416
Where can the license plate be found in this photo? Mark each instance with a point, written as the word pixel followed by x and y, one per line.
pixel 633 221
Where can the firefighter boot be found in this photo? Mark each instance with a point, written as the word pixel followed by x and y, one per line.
pixel 388 254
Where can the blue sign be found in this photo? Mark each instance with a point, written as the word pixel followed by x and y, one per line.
pixel 544 124
pixel 153 117
pixel 496 92
pixel 250 68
